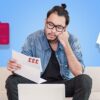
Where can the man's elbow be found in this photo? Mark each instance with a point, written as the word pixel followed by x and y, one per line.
pixel 77 73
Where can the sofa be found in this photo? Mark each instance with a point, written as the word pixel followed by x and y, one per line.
pixel 94 72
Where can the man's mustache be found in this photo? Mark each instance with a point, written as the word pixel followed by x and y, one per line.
pixel 54 34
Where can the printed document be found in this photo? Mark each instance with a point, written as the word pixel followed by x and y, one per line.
pixel 30 67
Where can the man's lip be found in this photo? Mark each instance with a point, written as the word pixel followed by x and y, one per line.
pixel 51 34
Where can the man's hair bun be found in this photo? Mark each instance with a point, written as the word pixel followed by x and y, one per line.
pixel 63 6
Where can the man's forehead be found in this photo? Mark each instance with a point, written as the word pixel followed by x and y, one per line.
pixel 56 19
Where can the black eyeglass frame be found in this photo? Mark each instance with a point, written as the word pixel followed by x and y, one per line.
pixel 59 28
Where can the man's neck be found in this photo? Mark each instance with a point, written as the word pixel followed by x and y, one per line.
pixel 54 44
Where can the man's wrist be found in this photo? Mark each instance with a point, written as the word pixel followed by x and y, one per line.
pixel 66 45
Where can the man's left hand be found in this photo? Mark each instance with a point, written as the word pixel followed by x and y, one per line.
pixel 63 38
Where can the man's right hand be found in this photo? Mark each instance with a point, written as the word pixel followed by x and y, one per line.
pixel 13 65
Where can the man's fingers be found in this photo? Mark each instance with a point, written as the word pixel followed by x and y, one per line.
pixel 57 34
pixel 13 65
pixel 12 60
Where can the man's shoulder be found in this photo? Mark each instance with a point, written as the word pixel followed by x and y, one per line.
pixel 36 34
pixel 72 37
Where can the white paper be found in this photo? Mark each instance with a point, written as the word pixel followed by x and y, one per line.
pixel 98 39
pixel 30 67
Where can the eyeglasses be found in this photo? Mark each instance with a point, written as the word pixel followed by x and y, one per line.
pixel 51 25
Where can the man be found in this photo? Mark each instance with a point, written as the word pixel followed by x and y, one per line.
pixel 60 55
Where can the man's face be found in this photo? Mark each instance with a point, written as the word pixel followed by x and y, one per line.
pixel 54 24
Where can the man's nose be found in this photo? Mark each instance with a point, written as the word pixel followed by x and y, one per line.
pixel 54 30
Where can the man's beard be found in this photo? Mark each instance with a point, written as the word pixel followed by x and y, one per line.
pixel 51 41
pixel 55 40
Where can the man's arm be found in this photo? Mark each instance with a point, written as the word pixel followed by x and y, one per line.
pixel 74 64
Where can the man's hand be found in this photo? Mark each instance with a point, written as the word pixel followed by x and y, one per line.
pixel 63 38
pixel 13 65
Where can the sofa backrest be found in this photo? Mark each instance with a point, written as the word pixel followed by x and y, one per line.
pixel 94 73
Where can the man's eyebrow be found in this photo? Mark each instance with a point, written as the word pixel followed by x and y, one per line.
pixel 56 24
